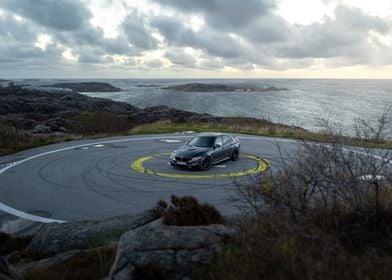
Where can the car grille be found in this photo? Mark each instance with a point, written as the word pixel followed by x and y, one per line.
pixel 182 159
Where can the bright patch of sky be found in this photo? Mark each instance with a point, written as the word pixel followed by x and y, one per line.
pixel 309 11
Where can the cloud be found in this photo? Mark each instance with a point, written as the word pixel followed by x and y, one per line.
pixel 179 57
pixel 56 14
pixel 345 36
pixel 134 27
pixel 224 14
pixel 243 35
pixel 216 44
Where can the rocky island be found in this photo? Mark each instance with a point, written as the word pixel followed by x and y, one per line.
pixel 87 87
pixel 204 87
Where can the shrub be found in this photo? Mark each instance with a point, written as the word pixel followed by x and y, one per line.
pixel 187 211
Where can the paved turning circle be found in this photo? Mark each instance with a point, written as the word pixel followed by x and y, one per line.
pixel 157 164
pixel 93 179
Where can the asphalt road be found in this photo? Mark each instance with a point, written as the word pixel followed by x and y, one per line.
pixel 93 179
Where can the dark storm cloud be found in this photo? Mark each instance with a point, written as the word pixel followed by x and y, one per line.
pixel 134 27
pixel 214 43
pixel 17 44
pixel 94 37
pixel 179 57
pixel 56 14
pixel 224 14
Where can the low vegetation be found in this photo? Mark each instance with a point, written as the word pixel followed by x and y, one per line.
pixel 257 127
pixel 325 214
pixel 13 140
pixel 105 124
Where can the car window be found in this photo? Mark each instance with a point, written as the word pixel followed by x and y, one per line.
pixel 218 141
pixel 226 140
pixel 202 141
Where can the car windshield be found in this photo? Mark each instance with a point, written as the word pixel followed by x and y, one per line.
pixel 202 141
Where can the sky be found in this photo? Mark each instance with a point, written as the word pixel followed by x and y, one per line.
pixel 196 39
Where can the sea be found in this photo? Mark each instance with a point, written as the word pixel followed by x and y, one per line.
pixel 314 104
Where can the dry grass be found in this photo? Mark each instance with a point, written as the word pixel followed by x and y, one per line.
pixel 13 140
pixel 272 247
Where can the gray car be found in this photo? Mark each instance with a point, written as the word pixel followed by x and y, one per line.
pixel 205 150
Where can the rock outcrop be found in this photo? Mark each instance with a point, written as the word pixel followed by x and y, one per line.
pixel 57 238
pixel 87 87
pixel 172 252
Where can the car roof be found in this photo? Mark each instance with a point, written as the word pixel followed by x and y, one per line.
pixel 211 134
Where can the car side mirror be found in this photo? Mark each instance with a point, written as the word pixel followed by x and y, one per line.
pixel 216 146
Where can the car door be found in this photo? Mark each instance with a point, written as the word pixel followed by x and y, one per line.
pixel 227 146
pixel 218 153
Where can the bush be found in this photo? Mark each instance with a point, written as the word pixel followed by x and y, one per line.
pixel 186 211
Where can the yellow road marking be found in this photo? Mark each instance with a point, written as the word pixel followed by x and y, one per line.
pixel 137 165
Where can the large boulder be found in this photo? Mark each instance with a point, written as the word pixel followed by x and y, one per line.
pixel 56 238
pixel 170 251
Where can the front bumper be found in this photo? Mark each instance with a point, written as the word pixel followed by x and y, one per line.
pixel 189 164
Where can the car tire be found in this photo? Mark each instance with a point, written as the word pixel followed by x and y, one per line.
pixel 234 155
pixel 206 164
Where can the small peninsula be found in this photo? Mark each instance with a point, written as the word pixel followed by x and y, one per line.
pixel 204 87
pixel 87 87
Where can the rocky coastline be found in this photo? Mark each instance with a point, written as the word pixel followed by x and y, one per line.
pixel 40 112
pixel 204 87
pixel 86 87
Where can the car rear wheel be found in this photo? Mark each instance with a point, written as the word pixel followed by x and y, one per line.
pixel 234 155
pixel 206 164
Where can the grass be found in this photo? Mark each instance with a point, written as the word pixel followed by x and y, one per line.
pixel 253 127
pixel 104 239
pixel 98 125
pixel 13 140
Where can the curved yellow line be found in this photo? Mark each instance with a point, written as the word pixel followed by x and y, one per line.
pixel 137 165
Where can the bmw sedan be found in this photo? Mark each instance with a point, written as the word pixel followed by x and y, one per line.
pixel 205 150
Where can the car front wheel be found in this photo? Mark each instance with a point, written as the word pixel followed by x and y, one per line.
pixel 206 164
pixel 234 155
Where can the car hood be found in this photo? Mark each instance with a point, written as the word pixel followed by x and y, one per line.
pixel 191 151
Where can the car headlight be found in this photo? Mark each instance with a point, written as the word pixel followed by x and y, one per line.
pixel 172 156
pixel 196 159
